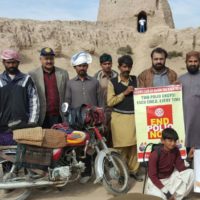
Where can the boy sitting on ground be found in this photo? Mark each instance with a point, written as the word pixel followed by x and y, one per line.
pixel 168 176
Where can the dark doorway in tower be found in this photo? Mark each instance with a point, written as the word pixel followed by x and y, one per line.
pixel 157 4
pixel 142 22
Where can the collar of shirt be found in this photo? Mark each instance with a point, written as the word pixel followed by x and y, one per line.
pixel 78 79
pixel 124 82
pixel 50 73
pixel 11 76
pixel 119 79
pixel 106 76
pixel 111 75
pixel 101 75
pixel 170 151
pixel 157 73
pixel 6 76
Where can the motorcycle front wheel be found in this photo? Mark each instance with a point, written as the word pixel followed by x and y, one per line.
pixel 116 176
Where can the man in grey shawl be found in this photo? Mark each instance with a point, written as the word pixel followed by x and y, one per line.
pixel 191 99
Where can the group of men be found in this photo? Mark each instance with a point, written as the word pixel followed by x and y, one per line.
pixel 37 97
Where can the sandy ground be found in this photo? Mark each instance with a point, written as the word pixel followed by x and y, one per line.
pixel 89 191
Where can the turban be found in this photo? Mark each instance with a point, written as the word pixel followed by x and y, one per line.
pixel 81 58
pixel 105 58
pixel 193 54
pixel 9 54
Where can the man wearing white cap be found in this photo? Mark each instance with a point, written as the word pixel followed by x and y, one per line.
pixel 18 95
pixel 83 89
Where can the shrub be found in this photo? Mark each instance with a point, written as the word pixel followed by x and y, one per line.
pixel 125 50
pixel 174 54
pixel 91 51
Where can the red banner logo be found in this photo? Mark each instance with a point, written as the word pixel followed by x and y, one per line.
pixel 158 118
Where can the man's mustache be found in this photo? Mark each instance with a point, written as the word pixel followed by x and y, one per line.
pixel 126 72
pixel 193 66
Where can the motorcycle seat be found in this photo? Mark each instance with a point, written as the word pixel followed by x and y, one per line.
pixel 76 137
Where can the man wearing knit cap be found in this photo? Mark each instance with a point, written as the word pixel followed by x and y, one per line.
pixel 191 99
pixel 83 89
pixel 103 76
pixel 18 95
pixel 106 73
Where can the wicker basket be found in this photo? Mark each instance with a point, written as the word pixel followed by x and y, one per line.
pixel 33 157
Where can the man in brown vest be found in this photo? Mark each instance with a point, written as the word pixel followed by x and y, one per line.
pixel 120 98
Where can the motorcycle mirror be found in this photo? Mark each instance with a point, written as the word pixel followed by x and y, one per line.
pixel 64 107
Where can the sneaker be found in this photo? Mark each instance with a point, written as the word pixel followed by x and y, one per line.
pixel 84 179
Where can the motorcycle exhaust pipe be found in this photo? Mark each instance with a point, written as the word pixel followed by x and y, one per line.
pixel 26 184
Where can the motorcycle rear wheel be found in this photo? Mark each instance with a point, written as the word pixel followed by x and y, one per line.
pixel 115 181
pixel 14 194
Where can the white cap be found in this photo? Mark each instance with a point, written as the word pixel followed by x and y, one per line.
pixel 81 58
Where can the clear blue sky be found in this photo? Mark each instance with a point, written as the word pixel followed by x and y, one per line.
pixel 186 12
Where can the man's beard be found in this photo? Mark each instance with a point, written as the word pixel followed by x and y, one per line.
pixel 125 74
pixel 193 69
pixel 12 70
pixel 82 73
pixel 158 67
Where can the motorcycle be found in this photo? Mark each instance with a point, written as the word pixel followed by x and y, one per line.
pixel 66 167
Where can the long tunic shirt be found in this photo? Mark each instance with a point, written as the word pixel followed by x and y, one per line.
pixel 191 107
pixel 81 92
pixel 103 81
pixel 122 125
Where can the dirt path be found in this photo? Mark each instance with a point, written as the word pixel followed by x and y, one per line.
pixel 89 191
pixel 76 191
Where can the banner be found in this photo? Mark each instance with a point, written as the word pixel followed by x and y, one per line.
pixel 157 108
pixel 196 170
